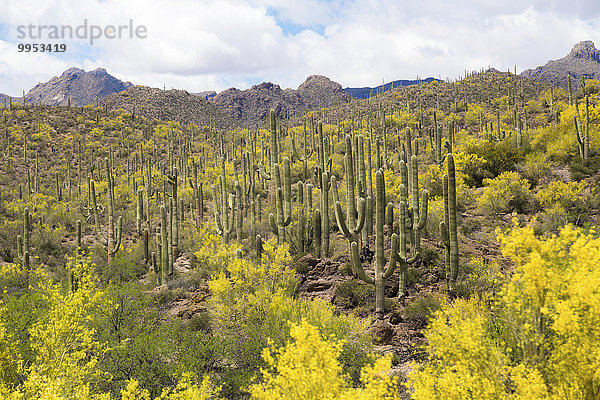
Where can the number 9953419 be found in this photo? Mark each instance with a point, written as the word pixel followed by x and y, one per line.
pixel 41 47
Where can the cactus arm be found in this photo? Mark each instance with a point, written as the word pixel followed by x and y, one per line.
pixel 294 151
pixel 340 220
pixel 361 215
pixel 424 210
pixel 357 265
pixel 263 173
pixel 119 234
pixel 273 224
pixel 231 221
pixel 287 190
pixel 389 215
pixel 287 221
pixel 394 258
pixel 218 224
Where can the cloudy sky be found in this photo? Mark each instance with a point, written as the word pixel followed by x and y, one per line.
pixel 212 45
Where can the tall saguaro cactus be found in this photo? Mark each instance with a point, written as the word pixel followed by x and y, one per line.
pixel 283 203
pixel 418 215
pixel 355 220
pixel 112 242
pixel 383 268
pixel 448 227
pixel 23 241
pixel 224 219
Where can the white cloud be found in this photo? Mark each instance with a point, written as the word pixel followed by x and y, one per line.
pixel 212 44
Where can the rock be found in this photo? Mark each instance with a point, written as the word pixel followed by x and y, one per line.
pixel 319 285
pixel 182 264
pixel 309 260
pixel 382 331
pixel 396 317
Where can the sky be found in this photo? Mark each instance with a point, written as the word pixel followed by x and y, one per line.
pixel 200 45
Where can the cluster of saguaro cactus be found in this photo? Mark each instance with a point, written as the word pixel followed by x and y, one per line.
pixel 435 139
pixel 223 209
pixel 448 227
pixel 323 179
pixel 582 134
pixel 384 268
pixel 112 242
pixel 354 223
pixel 306 154
pixel 273 161
pixel 283 204
pixel 416 216
pixel 198 194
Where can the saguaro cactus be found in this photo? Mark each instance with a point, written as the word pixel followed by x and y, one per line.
pixel 418 215
pixel 283 203
pixel 383 269
pixel 139 210
pixel 355 220
pixel 224 220
pixel 112 243
pixel 273 158
pixel 324 214
pixel 164 246
pixel 448 227
pixel 23 241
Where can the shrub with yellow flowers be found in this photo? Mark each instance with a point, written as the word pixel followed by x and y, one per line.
pixel 537 339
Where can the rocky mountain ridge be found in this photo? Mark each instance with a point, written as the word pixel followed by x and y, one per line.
pixel 582 62
pixel 252 105
pixel 166 105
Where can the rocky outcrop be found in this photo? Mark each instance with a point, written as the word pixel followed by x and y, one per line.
pixel 252 105
pixel 583 62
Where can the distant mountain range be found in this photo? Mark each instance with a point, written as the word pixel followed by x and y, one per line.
pixel 251 106
pixel 4 98
pixel 364 92
pixel 582 62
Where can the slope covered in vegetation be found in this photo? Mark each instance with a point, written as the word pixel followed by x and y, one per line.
pixel 155 259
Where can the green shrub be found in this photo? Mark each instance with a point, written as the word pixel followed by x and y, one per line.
pixel 581 169
pixel 500 156
pixel 506 193
pixel 354 293
pixel 421 308
pixel 536 167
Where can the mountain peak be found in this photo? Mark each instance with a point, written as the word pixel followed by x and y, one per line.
pixel 583 62
pixel 76 85
pixel 585 50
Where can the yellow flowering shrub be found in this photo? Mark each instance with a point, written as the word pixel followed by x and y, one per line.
pixel 253 303
pixel 537 339
pixel 213 256
pixel 189 389
pixel 308 368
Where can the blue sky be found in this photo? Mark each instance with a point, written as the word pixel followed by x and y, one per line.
pixel 201 45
